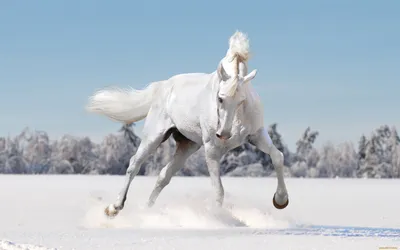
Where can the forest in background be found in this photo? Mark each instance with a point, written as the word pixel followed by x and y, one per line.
pixel 32 152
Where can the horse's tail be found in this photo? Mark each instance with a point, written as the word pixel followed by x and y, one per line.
pixel 123 105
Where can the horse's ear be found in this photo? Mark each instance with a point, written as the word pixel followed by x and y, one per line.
pixel 222 73
pixel 250 76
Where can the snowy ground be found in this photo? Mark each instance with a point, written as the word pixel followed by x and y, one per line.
pixel 66 212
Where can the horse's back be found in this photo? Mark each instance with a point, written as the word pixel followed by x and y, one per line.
pixel 187 87
pixel 189 80
pixel 184 104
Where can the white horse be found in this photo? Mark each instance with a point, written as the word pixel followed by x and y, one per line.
pixel 217 110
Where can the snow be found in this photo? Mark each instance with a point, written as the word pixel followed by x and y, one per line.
pixel 40 212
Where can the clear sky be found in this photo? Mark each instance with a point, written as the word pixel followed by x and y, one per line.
pixel 331 65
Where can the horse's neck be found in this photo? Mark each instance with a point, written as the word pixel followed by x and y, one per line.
pixel 212 88
pixel 209 97
pixel 253 109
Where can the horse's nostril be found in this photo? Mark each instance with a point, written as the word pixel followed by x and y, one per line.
pixel 222 137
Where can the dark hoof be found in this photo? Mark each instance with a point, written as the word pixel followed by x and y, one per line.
pixel 276 205
pixel 110 211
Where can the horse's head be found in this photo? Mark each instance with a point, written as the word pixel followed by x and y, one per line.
pixel 231 95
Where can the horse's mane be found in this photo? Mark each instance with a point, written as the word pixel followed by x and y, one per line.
pixel 239 47
pixel 237 55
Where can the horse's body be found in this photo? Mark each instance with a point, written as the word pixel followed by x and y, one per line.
pixel 218 110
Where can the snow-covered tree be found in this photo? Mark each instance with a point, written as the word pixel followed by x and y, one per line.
pixel 347 160
pixel 78 152
pixel 380 154
pixel 373 157
pixel 362 152
pixel 327 162
pixel 306 157
pixel 305 144
pixel 394 157
pixel 37 150
pixel 3 154
pixel 127 130
pixel 396 162
pixel 114 154
pixel 11 157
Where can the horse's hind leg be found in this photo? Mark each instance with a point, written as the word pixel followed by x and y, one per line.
pixel 184 149
pixel 148 145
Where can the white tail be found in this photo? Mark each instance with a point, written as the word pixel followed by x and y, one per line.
pixel 123 105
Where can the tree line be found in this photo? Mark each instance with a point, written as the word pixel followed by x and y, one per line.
pixel 32 152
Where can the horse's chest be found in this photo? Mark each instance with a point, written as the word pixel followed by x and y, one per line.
pixel 238 138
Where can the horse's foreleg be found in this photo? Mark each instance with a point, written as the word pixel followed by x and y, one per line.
pixel 213 156
pixel 146 147
pixel 183 151
pixel 263 141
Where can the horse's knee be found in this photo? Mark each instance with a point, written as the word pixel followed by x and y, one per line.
pixel 133 169
pixel 277 157
pixel 132 160
pixel 134 165
pixel 130 171
pixel 164 177
pixel 163 182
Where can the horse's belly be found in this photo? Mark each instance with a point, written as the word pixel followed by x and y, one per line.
pixel 187 123
pixel 192 133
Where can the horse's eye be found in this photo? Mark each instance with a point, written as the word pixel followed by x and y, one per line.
pixel 220 99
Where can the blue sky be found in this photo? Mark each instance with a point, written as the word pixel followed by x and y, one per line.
pixel 331 65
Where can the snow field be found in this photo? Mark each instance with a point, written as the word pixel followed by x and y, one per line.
pixel 66 212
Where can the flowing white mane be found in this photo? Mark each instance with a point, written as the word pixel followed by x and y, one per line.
pixel 239 46
pixel 237 55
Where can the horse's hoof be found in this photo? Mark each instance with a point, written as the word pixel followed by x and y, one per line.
pixel 150 204
pixel 110 211
pixel 276 205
